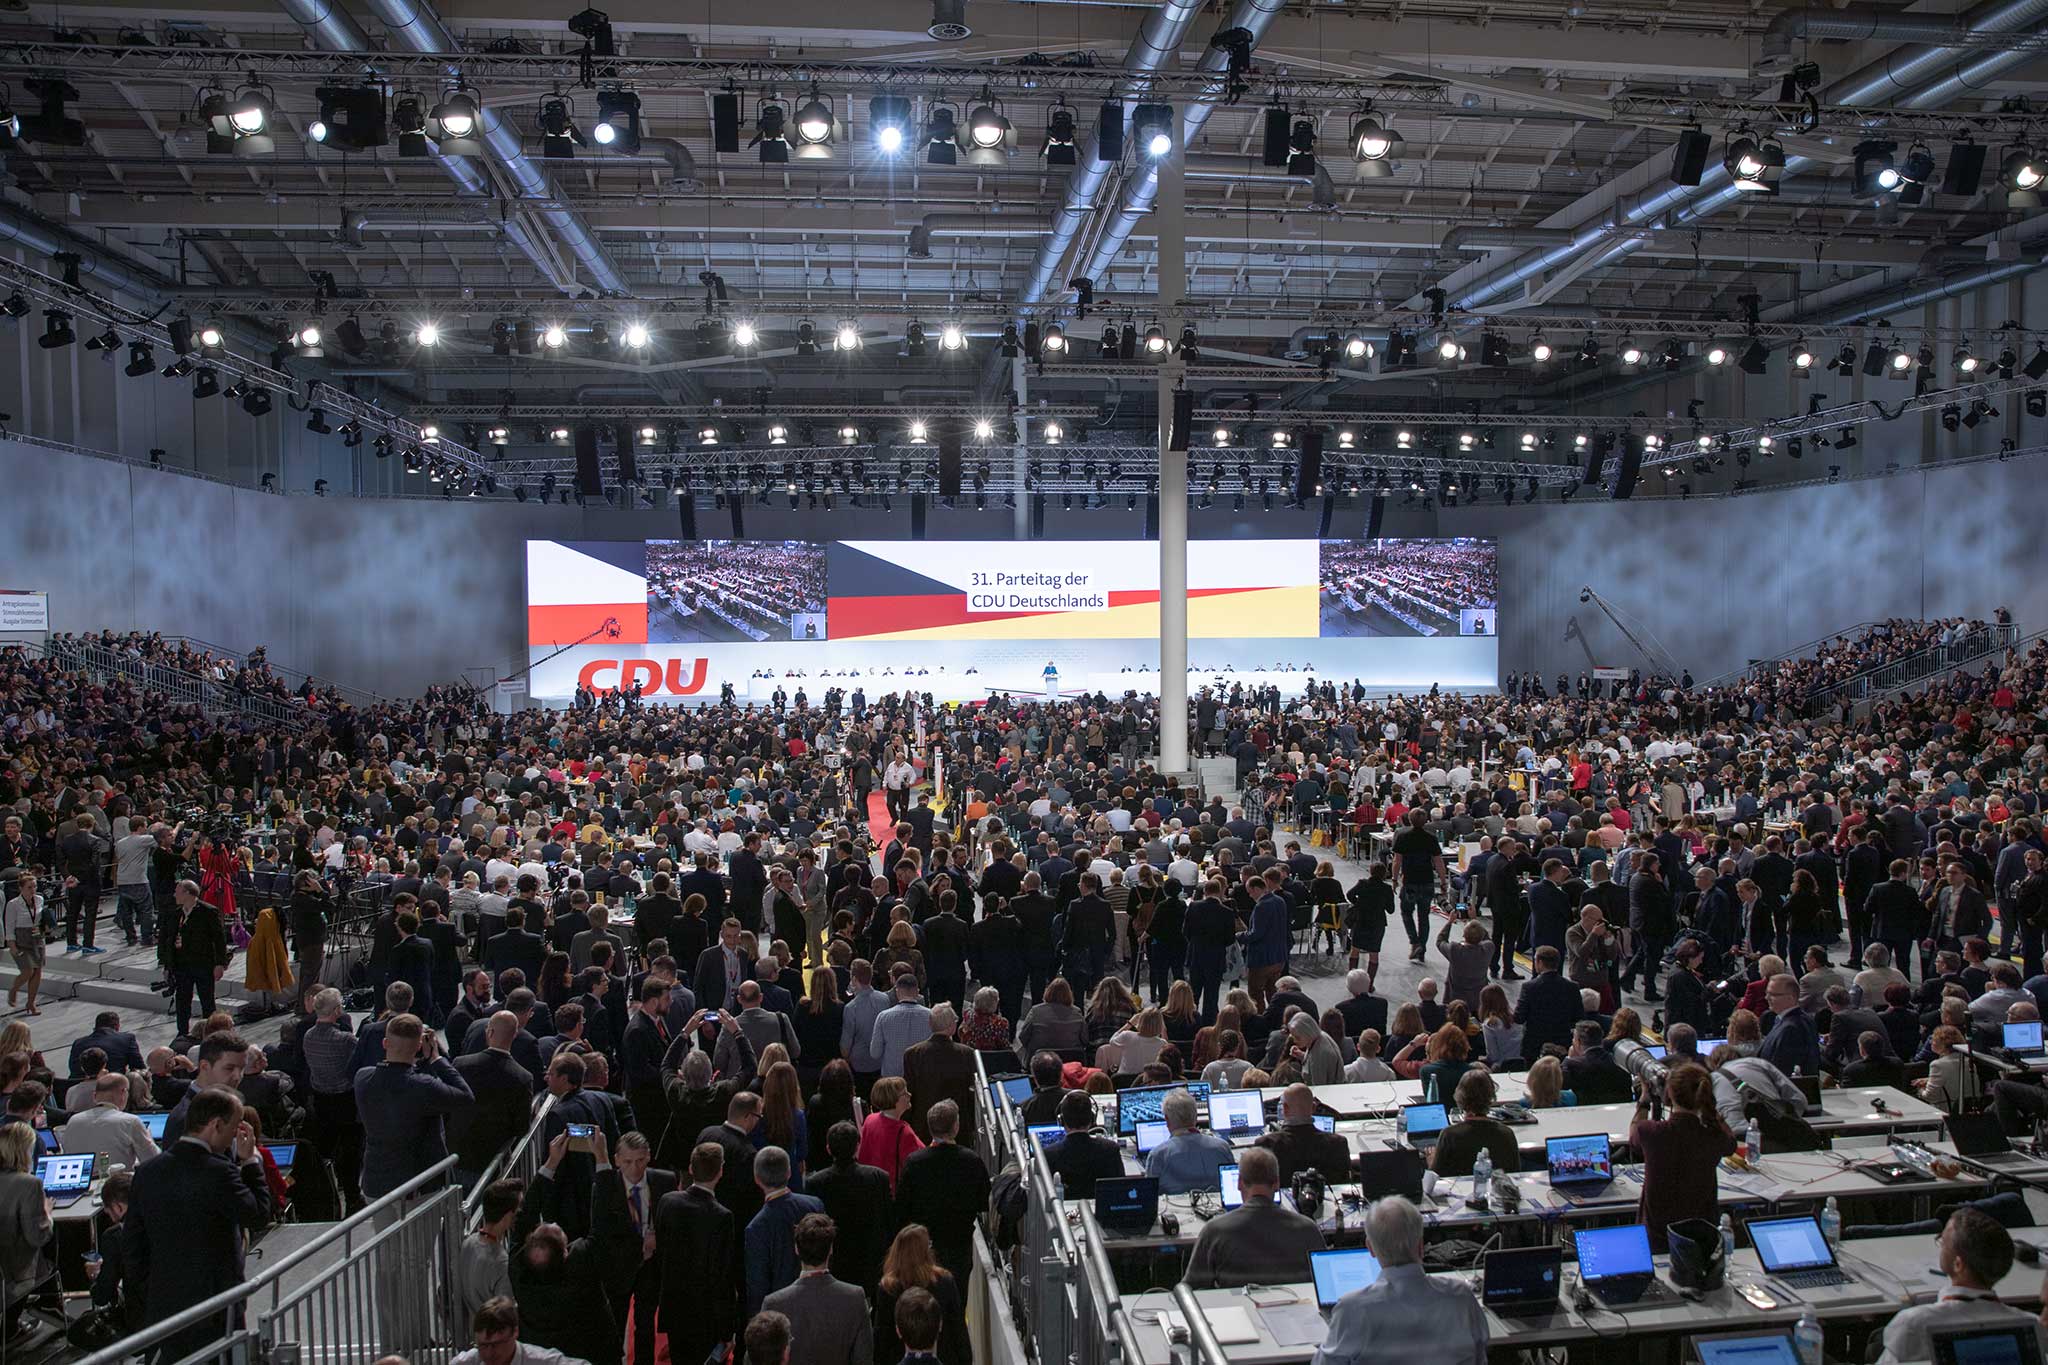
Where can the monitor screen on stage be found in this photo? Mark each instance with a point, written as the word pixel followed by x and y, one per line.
pixel 966 619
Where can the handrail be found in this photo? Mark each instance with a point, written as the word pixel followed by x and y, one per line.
pixel 1879 692
pixel 511 1155
pixel 88 655
pixel 355 696
pixel 1201 1336
pixel 220 1303
pixel 1908 669
pixel 1735 675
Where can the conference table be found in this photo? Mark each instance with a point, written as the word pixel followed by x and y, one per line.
pixel 1890 1273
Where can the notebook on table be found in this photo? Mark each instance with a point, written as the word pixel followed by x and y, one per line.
pixel 2024 1039
pixel 1425 1123
pixel 1795 1252
pixel 1520 1282
pixel 1581 1165
pixel 1615 1265
pixel 2015 1345
pixel 66 1179
pixel 1130 1205
pixel 1981 1138
pixel 1747 1348
pixel 1337 1273
pixel 1234 1113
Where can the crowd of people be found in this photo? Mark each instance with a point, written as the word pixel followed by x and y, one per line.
pixel 1424 587
pixel 708 590
pixel 759 999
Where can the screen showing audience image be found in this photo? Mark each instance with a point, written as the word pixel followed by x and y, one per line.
pixel 1143 1104
pixel 735 591
pixel 1409 587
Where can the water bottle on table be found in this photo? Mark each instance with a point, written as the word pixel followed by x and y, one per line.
pixel 1807 1337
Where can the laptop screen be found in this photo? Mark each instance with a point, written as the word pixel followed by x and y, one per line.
pixel 1750 1348
pixel 1141 1104
pixel 1977 1134
pixel 65 1174
pixel 1324 1123
pixel 1512 1276
pixel 1018 1088
pixel 1121 1203
pixel 1608 1253
pixel 1426 1120
pixel 1790 1244
pixel 1656 1050
pixel 283 1153
pixel 1705 1046
pixel 46 1139
pixel 153 1124
pixel 1988 1346
pixel 1574 1160
pixel 1237 1111
pixel 2024 1037
pixel 1232 1195
pixel 1049 1135
pixel 1338 1273
pixel 1151 1134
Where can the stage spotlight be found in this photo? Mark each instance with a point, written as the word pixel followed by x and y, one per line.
pixel 1802 359
pixel 1631 354
pixel 952 337
pixel 984 429
pixel 15 307
pixel 2022 173
pixel 849 435
pixel 600 338
pixel 1357 348
pixel 1374 145
pixel 987 129
pixel 847 337
pixel 2035 401
pixel 1493 351
pixel 409 119
pixel 1281 438
pixel 316 423
pixel 1754 165
pixel 178 368
pixel 1008 342
pixel 559 135
pixel 427 334
pixel 1155 340
pixel 1718 353
pixel 636 336
pixel 1052 343
pixel 1055 431
pixel 1153 126
pixel 109 341
pixel 1221 436
pixel 211 339
pixel 1060 148
pixel 1875 170
pixel 889 123
pixel 594 26
pixel 778 434
pixel 454 122
pixel 919 432
pixel 2037 364
pixel 744 335
pixel 1347 439
pixel 806 338
pixel 1540 350
pixel 707 435
pixel 1674 353
pixel 141 360
pixel 942 136
pixel 1301 147
pixel 206 382
pixel 1899 360
pixel 617 127
pixel 771 141
pixel 57 330
pixel 1967 361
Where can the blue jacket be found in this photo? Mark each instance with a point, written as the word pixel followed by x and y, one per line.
pixel 1267 941
pixel 402 1110
pixel 771 1246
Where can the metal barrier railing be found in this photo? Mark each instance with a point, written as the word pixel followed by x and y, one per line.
pixel 176 684
pixel 371 1246
pixel 1903 672
pixel 521 1160
pixel 291 677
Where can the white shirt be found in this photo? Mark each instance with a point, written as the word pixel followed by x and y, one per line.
pixel 115 1134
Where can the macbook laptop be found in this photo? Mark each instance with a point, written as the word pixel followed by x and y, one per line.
pixel 284 1154
pixel 1981 1138
pixel 1397 1170
pixel 2015 1345
pixel 1142 1103
pixel 1338 1273
pixel 1235 1113
pixel 1793 1250
pixel 1233 1196
pixel 1520 1282
pixel 1615 1263
pixel 1018 1088
pixel 1151 1134
pixel 1047 1135
pixel 1747 1348
pixel 1809 1087
pixel 1425 1123
pixel 2024 1039
pixel 154 1124
pixel 66 1179
pixel 1581 1166
pixel 1130 1205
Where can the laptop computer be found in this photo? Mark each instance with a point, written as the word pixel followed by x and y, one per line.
pixel 154 1124
pixel 2015 1345
pixel 1151 1135
pixel 1657 1050
pixel 1981 1138
pixel 1397 1170
pixel 1337 1273
pixel 1521 1282
pixel 1581 1165
pixel 284 1154
pixel 1143 1104
pixel 1018 1088
pixel 66 1179
pixel 1615 1264
pixel 1236 1113
pixel 1704 1047
pixel 1793 1250
pixel 1425 1123
pixel 1233 1195
pixel 47 1142
pixel 2024 1039
pixel 1325 1123
pixel 1047 1135
pixel 1130 1205
pixel 1809 1088
pixel 1747 1348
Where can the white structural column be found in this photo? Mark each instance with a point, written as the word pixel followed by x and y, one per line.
pixel 1020 515
pixel 1168 214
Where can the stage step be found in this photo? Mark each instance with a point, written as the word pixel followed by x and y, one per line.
pixel 1219 777
pixel 118 978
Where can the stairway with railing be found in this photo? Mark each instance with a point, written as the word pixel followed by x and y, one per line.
pixel 290 677
pixel 1909 669
pixel 180 687
pixel 1736 675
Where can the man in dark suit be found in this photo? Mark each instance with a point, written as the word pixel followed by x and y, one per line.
pixel 655 914
pixel 515 947
pixel 475 1004
pixel 696 1247
pixel 1083 1156
pixel 749 878
pixel 447 945
pixel 1551 912
pixel 1548 1007
pixel 412 961
pixel 1363 1010
pixel 945 952
pixel 1091 929
pixel 720 969
pixel 521 1005
pixel 503 1091
pixel 995 946
pixel 829 1322
pixel 187 1211
pixel 1035 911
pixel 579 1168
pixel 858 1199
pixel 704 880
pixel 945 1187
pixel 402 1104
pixel 1772 873
pixel 1300 1145
pixel 939 1068
pixel 194 947
pixel 123 1053
pixel 1897 916
pixel 736 1187
pixel 625 1198
pixel 641 1052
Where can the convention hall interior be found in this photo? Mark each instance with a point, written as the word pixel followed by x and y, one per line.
pixel 1023 682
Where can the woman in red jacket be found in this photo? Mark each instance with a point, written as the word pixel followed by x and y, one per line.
pixel 886 1141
